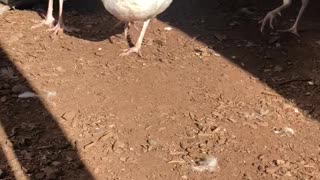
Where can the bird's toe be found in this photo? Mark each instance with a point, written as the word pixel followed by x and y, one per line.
pixel 292 30
pixel 130 51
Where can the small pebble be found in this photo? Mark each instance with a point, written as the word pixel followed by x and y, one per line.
pixel 3 99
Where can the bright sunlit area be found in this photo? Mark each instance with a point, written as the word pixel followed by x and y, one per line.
pixel 159 89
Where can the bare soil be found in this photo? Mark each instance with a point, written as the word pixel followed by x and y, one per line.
pixel 211 89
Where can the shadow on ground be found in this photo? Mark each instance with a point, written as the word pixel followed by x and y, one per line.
pixel 32 143
pixel 286 63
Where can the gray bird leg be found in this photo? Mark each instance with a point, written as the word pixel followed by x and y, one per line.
pixel 270 17
pixel 294 28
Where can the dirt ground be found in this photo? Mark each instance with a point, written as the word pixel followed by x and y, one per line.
pixel 212 98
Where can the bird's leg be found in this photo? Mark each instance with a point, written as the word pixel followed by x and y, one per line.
pixel 270 17
pixel 137 47
pixel 60 25
pixel 49 17
pixel 294 28
pixel 126 29
pixel 134 25
pixel 115 26
pixel 127 26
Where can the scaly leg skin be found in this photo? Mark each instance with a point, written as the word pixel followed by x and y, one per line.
pixel 126 29
pixel 294 28
pixel 49 21
pixel 127 26
pixel 60 25
pixel 137 47
pixel 270 17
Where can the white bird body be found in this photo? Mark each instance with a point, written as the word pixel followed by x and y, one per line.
pixel 136 10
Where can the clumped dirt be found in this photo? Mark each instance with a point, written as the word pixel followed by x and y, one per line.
pixel 212 98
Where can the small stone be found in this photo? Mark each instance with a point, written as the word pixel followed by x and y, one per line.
pixel 56 163
pixel 234 23
pixel 261 169
pixel 96 170
pixel 207 164
pixel 203 51
pixel 288 131
pixel 69 115
pixel 288 174
pixel 88 26
pixel 168 28
pixel 232 120
pixel 279 162
pixel 278 69
pixel 123 159
pixel 60 69
pixel 151 142
pixel 272 170
pixel 118 144
pixel 250 44
pixel 311 83
pixel 3 99
pixel 184 177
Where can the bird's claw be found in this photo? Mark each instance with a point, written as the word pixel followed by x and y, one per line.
pixel 56 29
pixel 130 51
pixel 270 17
pixel 62 28
pixel 292 30
pixel 47 22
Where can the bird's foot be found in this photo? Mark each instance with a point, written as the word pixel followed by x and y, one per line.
pixel 47 22
pixel 60 27
pixel 293 30
pixel 270 17
pixel 131 50
pixel 57 29
pixel 4 8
